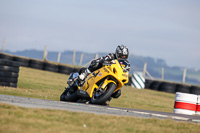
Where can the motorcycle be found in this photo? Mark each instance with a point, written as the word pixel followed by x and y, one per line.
pixel 100 86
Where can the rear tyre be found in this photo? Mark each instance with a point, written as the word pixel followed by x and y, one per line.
pixel 101 99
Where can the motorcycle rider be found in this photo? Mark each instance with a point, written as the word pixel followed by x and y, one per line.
pixel 121 52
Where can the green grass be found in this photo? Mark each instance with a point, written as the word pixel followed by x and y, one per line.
pixel 37 84
pixel 48 85
pixel 145 99
pixel 15 119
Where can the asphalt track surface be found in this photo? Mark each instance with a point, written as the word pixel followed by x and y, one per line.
pixel 96 109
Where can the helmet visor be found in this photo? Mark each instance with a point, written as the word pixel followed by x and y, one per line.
pixel 121 56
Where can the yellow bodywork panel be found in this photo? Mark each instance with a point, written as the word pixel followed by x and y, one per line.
pixel 109 73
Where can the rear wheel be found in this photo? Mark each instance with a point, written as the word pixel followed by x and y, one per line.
pixel 69 96
pixel 101 96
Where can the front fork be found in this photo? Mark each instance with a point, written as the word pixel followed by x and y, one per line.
pixel 106 82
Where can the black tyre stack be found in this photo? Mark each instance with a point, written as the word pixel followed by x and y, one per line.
pixel 66 69
pixel 195 90
pixel 167 87
pixel 6 56
pixel 9 73
pixel 50 67
pixel 171 87
pixel 155 85
pixel 37 64
pixel 184 88
pixel 22 61
pixel 148 83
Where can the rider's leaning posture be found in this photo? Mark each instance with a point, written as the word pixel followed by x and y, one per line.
pixel 120 53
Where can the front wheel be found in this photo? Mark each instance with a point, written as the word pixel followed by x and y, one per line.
pixel 101 98
pixel 69 96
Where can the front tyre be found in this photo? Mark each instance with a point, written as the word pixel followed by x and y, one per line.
pixel 69 96
pixel 98 98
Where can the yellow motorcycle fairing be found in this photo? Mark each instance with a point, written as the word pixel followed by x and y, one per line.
pixel 100 78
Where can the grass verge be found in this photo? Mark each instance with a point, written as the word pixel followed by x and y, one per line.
pixel 48 85
pixel 18 119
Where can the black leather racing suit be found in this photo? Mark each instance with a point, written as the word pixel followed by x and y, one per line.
pixel 96 64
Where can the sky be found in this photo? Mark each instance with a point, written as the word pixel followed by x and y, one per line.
pixel 165 29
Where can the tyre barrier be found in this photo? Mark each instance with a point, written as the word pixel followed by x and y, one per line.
pixel 5 62
pixel 37 64
pixel 66 69
pixel 6 56
pixel 185 103
pixel 9 73
pixel 22 61
pixel 195 90
pixel 183 88
pixel 167 87
pixel 155 85
pixel 148 83
pixel 50 67
pixel 171 87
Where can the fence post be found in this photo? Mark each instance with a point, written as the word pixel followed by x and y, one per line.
pixel 163 71
pixel 58 60
pixel 4 41
pixel 96 56
pixel 144 70
pixel 81 59
pixel 184 75
pixel 45 53
pixel 74 56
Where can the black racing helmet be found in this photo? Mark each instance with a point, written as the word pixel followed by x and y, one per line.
pixel 122 52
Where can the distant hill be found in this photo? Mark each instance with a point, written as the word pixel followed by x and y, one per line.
pixel 137 62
